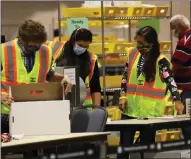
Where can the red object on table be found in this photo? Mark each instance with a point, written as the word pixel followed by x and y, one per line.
pixel 5 137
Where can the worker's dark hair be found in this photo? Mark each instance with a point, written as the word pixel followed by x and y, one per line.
pixel 150 36
pixel 32 31
pixel 69 58
pixel 81 34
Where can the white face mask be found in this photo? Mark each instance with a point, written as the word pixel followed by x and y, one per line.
pixel 79 50
pixel 175 34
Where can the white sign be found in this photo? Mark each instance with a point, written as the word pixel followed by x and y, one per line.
pixel 188 106
pixel 70 72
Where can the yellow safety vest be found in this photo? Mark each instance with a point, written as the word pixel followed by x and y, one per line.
pixel 93 58
pixel 88 99
pixel 14 71
pixel 144 99
pixel 57 47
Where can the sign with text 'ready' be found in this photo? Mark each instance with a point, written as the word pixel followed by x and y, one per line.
pixel 74 23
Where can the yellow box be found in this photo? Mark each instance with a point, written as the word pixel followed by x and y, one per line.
pixel 169 110
pixel 161 11
pixel 122 47
pixel 113 60
pixel 173 135
pixel 122 11
pixel 110 48
pixel 114 113
pixel 148 11
pixel 80 12
pixel 160 137
pixel 97 48
pixel 111 81
pixel 134 11
pixel 165 45
pixel 113 141
pixel 110 11
pixel 107 38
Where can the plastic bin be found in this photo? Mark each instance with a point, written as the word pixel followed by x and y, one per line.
pixel 165 45
pixel 81 12
pixel 111 81
pixel 148 11
pixel 114 60
pixel 135 11
pixel 114 113
pixel 97 48
pixel 161 11
pixel 173 135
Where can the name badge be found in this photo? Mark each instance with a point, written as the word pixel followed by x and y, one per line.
pixel 32 79
pixel 140 82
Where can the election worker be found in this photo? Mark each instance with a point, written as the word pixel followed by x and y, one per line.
pixel 145 82
pixel 75 53
pixel 26 60
pixel 56 45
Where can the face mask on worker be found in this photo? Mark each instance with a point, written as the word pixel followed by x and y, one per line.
pixel 143 48
pixel 31 48
pixel 175 34
pixel 28 49
pixel 79 50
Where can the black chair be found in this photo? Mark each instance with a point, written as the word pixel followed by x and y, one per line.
pixel 84 120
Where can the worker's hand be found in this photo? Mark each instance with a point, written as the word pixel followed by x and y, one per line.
pixel 179 107
pixel 122 103
pixel 6 100
pixel 66 83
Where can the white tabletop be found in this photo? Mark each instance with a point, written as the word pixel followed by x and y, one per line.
pixel 146 122
pixel 38 139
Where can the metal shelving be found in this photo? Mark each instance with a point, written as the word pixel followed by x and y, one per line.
pixel 103 55
pixel 124 18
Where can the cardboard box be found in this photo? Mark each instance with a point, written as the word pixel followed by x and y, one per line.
pixel 39 109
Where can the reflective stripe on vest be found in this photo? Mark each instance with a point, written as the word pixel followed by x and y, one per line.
pixel 14 71
pixel 144 99
pixel 4 88
pixel 57 47
pixel 144 89
pixel 88 99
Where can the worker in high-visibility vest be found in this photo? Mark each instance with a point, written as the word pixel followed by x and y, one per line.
pixel 75 53
pixel 26 60
pixel 145 81
pixel 57 47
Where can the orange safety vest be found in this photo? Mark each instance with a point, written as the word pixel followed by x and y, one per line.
pixel 88 99
pixel 57 47
pixel 14 71
pixel 144 99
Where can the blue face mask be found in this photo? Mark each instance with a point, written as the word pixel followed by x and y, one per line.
pixel 32 48
pixel 79 50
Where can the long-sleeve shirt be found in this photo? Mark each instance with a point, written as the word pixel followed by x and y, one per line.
pixel 181 61
pixel 165 75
